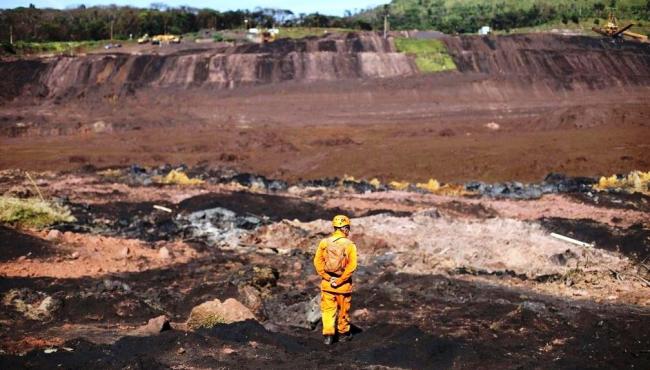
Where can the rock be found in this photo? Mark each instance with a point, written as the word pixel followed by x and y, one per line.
pixel 360 314
pixel 313 314
pixel 264 276
pixel 74 255
pixel 211 313
pixel 124 253
pixel 101 127
pixel 562 259
pixel 19 191
pixel 163 253
pixel 53 235
pixel 431 213
pixel 154 326
pixel 537 307
pixel 252 299
pixel 32 304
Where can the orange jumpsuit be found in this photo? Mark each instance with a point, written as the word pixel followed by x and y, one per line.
pixel 339 297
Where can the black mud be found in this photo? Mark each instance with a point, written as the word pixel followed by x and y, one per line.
pixel 616 200
pixel 275 207
pixel 420 322
pixel 387 345
pixel 633 242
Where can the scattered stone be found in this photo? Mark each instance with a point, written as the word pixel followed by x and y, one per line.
pixel 164 253
pixel 53 235
pixel 493 126
pixel 215 312
pixel 181 351
pixel 74 255
pixel 154 326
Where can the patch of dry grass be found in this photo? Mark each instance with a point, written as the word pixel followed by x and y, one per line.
pixel 32 212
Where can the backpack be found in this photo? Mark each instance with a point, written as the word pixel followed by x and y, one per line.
pixel 334 253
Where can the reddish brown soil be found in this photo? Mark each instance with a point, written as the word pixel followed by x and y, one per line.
pixel 280 132
pixel 557 105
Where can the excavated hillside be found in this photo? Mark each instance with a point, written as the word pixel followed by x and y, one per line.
pixel 309 59
pixel 563 62
pixel 559 62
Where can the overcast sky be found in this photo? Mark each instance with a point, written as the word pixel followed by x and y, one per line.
pixel 330 7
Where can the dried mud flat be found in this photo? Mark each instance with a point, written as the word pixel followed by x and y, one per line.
pixel 444 282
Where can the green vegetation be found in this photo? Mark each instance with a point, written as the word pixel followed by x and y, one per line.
pixel 430 55
pixel 56 47
pixel 299 32
pixel 467 16
pixel 31 24
pixel 207 322
pixel 583 27
pixel 32 212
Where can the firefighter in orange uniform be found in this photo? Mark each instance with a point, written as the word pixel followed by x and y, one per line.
pixel 335 262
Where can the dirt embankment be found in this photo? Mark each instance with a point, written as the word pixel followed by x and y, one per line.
pixel 328 58
pixel 554 62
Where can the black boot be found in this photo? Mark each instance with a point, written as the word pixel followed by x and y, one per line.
pixel 328 340
pixel 345 337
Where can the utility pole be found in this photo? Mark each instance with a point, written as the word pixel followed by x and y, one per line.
pixel 385 21
pixel 11 34
pixel 112 22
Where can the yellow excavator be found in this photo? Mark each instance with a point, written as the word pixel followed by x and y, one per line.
pixel 611 29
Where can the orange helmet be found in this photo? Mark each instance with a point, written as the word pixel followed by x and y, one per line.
pixel 340 221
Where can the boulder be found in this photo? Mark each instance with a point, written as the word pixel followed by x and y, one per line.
pixel 211 313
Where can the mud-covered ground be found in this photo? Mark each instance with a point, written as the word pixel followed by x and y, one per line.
pixel 517 108
pixel 443 282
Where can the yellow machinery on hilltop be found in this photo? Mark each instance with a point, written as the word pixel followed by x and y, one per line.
pixel 159 39
pixel 611 29
pixel 165 39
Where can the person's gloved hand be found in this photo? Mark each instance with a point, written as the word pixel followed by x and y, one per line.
pixel 333 282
